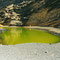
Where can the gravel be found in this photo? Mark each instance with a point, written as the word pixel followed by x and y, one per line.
pixel 30 51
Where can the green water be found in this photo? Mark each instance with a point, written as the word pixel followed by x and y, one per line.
pixel 16 35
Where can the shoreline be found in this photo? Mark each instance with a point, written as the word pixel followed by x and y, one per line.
pixel 52 30
pixel 31 51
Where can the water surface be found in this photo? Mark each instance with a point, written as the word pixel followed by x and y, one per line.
pixel 17 35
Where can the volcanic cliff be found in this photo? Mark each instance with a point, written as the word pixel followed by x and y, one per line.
pixel 30 12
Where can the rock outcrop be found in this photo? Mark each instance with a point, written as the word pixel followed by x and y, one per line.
pixel 32 12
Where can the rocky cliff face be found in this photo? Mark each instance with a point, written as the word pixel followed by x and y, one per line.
pixel 31 12
pixel 47 13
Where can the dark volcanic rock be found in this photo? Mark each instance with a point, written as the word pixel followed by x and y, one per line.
pixel 47 15
pixel 31 12
pixel 4 3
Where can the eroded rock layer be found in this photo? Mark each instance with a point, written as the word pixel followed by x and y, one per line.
pixel 31 12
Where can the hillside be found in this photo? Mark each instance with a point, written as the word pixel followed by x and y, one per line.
pixel 31 12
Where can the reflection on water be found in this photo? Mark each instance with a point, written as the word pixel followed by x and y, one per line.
pixel 15 35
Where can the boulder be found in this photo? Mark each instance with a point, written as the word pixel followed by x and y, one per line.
pixel 15 23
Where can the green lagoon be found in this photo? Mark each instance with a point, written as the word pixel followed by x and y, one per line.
pixel 17 35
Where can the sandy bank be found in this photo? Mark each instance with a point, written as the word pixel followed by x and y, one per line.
pixel 30 51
